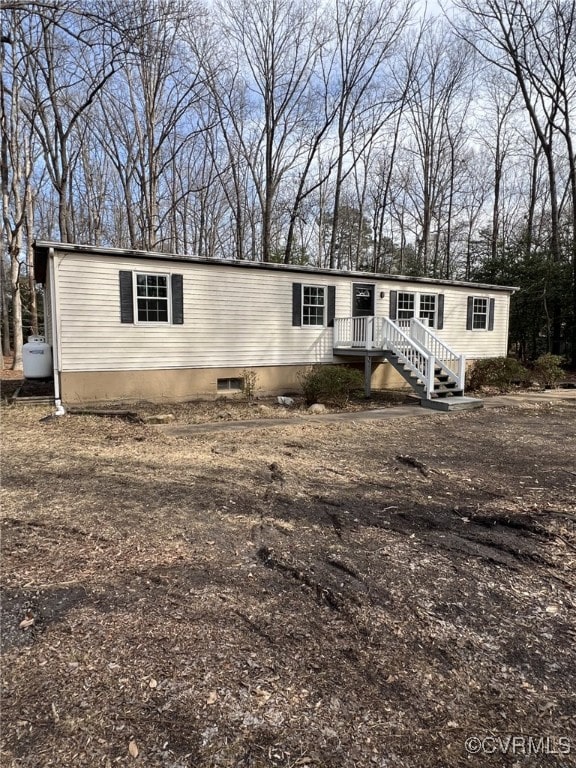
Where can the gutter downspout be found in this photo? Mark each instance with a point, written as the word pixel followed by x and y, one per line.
pixel 60 410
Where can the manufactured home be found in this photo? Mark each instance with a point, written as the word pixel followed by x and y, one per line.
pixel 127 325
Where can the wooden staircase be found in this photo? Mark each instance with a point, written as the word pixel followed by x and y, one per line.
pixel 433 370
pixel 446 394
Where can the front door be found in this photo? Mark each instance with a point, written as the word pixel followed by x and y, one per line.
pixel 362 306
pixel 363 299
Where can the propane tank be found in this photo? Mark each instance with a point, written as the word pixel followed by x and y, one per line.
pixel 37 358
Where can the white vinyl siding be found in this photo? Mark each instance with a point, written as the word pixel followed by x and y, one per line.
pixel 455 307
pixel 233 317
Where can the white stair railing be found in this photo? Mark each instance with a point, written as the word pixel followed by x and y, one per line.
pixel 408 351
pixel 414 344
pixel 381 333
pixel 354 332
pixel 453 363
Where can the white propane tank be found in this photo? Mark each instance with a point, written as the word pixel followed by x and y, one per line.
pixel 37 358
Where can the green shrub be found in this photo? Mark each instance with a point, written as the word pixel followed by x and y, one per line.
pixel 504 373
pixel 330 384
pixel 547 370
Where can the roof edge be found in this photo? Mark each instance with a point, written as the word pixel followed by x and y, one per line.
pixel 43 247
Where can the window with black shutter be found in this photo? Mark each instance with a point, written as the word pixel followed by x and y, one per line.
pixel 427 307
pixel 150 297
pixel 480 313
pixel 313 305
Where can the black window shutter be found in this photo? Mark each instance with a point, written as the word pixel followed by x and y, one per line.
pixel 393 305
pixel 331 305
pixel 296 303
pixel 469 313
pixel 491 305
pixel 177 300
pixel 126 297
pixel 440 312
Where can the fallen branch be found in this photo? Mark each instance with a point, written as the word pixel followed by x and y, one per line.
pixel 411 462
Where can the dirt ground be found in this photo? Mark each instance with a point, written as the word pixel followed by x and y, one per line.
pixel 355 594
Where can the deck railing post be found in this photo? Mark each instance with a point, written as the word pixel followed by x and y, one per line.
pixel 430 375
pixel 369 332
pixel 367 376
pixel 461 372
pixel 339 331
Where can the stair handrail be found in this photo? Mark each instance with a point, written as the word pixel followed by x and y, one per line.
pixel 452 362
pixel 395 340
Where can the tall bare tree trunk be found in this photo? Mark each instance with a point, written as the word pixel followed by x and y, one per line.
pixel 5 320
pixel 29 226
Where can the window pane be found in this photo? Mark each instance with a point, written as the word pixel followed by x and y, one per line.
pixel 313 303
pixel 480 314
pixel 405 306
pixel 480 305
pixel 428 309
pixel 152 298
pixel 427 302
pixel 230 384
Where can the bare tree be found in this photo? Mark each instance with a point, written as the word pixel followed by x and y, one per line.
pixel 402 72
pixel 275 45
pixel 496 136
pixel 533 43
pixel 366 36
pixel 437 104
pixel 63 80
pixel 16 167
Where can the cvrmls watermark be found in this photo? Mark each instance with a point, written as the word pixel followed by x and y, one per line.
pixel 509 744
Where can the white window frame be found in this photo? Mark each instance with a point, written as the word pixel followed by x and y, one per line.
pixel 308 305
pixel 434 312
pixel 167 298
pixel 417 307
pixel 407 310
pixel 485 314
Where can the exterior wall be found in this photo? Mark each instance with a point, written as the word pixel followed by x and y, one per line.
pixel 473 344
pixel 480 343
pixel 234 318
pixel 173 385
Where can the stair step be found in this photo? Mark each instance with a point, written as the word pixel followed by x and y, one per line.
pixel 459 403
pixel 446 395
